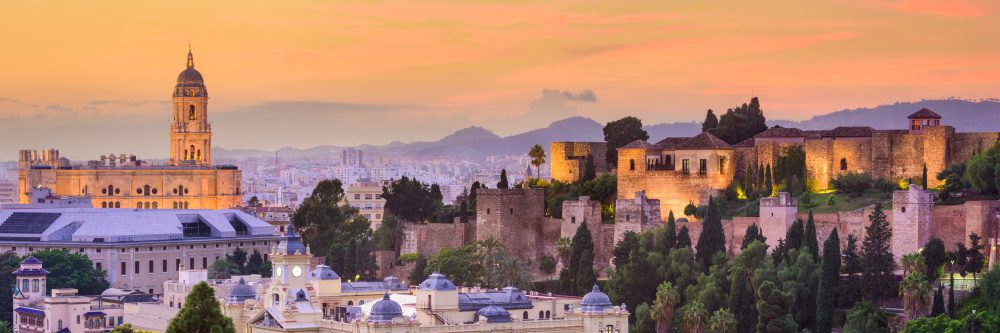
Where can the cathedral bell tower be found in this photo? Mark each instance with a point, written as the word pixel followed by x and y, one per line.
pixel 190 132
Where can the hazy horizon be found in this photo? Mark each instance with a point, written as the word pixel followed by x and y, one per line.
pixel 95 78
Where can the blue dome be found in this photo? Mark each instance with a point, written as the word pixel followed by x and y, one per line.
pixel 291 242
pixel 595 301
pixel 31 261
pixel 240 293
pixel 385 310
pixel 323 272
pixel 494 314
pixel 437 281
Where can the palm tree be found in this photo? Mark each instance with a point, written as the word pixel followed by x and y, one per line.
pixel 916 293
pixel 723 321
pixel 564 246
pixel 913 262
pixel 537 155
pixel 666 298
pixel 693 316
pixel 5 327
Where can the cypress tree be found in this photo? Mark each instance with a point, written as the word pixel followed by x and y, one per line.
pixel 760 178
pixel 201 314
pixel 711 121
pixel 768 183
pixel 877 261
pixel 712 238
pixel 585 276
pixel 683 239
pixel 503 179
pixel 951 295
pixel 809 241
pixel 753 234
pixel 938 306
pixel 582 243
pixel 829 280
pixel 923 177
pixel 793 237
pixel 670 232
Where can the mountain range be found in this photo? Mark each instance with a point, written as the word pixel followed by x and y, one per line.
pixel 477 142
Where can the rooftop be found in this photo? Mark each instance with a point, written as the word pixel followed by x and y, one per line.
pixel 924 113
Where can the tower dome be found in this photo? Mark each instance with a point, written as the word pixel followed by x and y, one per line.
pixel 494 314
pixel 323 272
pixel 190 83
pixel 240 293
pixel 595 301
pixel 385 310
pixel 291 243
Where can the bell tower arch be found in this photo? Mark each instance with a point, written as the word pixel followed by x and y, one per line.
pixel 190 131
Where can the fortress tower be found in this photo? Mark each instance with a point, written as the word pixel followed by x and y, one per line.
pixel 190 132
pixel 911 220
pixel 776 215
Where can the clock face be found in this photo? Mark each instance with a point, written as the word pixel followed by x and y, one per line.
pixel 297 271
pixel 277 271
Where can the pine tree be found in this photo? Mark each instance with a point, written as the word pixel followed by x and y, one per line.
pixel 877 260
pixel 670 232
pixel 937 308
pixel 809 241
pixel 828 283
pixel 712 238
pixel 503 179
pixel 683 239
pixel 753 234
pixel 201 314
pixel 773 307
pixel 850 290
pixel 255 263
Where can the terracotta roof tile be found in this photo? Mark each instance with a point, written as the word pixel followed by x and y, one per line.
pixel 924 113
pixel 745 143
pixel 703 141
pixel 670 143
pixel 638 144
pixel 781 132
pixel 815 134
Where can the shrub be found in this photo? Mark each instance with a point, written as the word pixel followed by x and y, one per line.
pixel 409 257
pixel 547 264
pixel 883 185
pixel 852 184
pixel 831 200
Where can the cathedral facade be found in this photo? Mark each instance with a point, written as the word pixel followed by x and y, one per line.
pixel 188 180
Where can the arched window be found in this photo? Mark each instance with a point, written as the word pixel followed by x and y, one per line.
pixel 175 204
pixel 548 314
pixel 145 190
pixel 146 204
pixel 199 154
pixel 60 324
pixel 111 190
pixel 541 314
pixel 843 164
pixel 156 205
pixel 350 303
pixel 191 115
pixel 185 154
pixel 525 315
pixel 185 205
pixel 118 204
pixel 631 165
pixel 104 204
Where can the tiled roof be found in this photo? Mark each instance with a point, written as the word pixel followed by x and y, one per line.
pixel 781 132
pixel 850 132
pixel 745 143
pixel 815 134
pixel 638 144
pixel 924 113
pixel 703 141
pixel 670 143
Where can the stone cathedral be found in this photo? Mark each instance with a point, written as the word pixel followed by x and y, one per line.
pixel 188 180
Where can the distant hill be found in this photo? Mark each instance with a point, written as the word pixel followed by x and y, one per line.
pixel 477 142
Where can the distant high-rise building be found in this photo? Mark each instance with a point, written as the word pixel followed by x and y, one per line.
pixel 352 157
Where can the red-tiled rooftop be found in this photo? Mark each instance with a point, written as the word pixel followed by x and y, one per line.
pixel 924 113
pixel 781 132
pixel 704 140
pixel 638 144
pixel 745 143
pixel 670 143
pixel 850 132
pixel 815 134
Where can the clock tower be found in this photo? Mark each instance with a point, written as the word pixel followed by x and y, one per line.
pixel 290 265
pixel 190 132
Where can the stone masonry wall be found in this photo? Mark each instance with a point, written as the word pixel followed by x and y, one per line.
pixel 567 160
pixel 513 216
pixel 674 189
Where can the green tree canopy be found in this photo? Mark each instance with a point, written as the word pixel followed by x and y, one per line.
pixel 201 314
pixel 829 280
pixel 877 260
pixel 738 123
pixel 621 132
pixel 411 200
pixel 712 238
pixel 983 170
pixel 71 270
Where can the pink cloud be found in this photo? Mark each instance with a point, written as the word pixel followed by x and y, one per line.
pixel 947 8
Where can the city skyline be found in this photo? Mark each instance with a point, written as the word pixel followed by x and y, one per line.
pixel 423 71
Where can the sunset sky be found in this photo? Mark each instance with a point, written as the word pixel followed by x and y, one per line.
pixel 95 77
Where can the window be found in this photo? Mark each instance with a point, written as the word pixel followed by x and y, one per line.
pixel 191 263
pixel 34 285
pixel 843 164
pixel 902 209
pixel 572 219
pixel 177 264
pixel 357 196
pixel 204 263
pixel 191 115
pixel 524 315
pixel 631 165
pixel 512 211
pixel 150 266
pixel 164 265
pixel 722 165
pixel 98 265
pixel 368 196
pixel 487 211
pixel 702 166
pixel 25 285
pixel 123 268
pixel 136 267
pixel 685 166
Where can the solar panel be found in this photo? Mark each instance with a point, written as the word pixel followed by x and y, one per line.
pixel 28 223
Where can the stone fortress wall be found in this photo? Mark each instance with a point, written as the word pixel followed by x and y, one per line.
pixel 567 160
pixel 516 217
